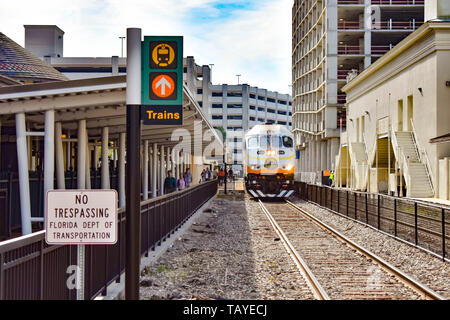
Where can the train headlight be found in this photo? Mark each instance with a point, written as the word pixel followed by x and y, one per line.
pixel 289 167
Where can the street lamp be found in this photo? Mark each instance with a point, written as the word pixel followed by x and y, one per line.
pixel 121 38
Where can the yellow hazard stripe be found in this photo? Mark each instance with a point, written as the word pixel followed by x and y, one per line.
pixel 265 158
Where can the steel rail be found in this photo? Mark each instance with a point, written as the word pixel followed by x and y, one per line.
pixel 417 286
pixel 318 291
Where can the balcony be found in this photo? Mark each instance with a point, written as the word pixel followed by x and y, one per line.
pixel 397 25
pixel 350 2
pixel 350 50
pixel 341 98
pixel 380 50
pixel 350 25
pixel 398 2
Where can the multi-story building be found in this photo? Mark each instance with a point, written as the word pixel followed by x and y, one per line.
pixel 333 41
pixel 236 108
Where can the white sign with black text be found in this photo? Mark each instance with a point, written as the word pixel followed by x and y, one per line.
pixel 81 217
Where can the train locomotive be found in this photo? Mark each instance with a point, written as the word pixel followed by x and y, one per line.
pixel 269 161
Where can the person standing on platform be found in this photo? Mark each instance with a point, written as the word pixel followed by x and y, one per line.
pixel 170 183
pixel 207 174
pixel 188 177
pixel 331 179
pixel 221 176
pixel 181 183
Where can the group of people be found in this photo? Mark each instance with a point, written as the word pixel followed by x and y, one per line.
pixel 221 175
pixel 171 184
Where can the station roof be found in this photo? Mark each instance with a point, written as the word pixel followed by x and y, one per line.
pixel 18 63
pixel 102 102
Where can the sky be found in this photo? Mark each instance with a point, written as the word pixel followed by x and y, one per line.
pixel 247 37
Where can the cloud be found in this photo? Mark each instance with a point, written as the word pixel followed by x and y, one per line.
pixel 247 37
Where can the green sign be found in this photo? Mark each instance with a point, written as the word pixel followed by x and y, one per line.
pixel 162 81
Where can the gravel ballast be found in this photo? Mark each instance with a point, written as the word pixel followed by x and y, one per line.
pixel 230 252
pixel 423 267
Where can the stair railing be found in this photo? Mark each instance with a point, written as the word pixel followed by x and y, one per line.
pixel 423 156
pixel 402 160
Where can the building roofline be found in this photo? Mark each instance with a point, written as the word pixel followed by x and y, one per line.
pixel 43 26
pixel 54 85
pixel 400 48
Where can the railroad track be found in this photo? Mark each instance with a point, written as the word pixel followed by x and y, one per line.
pixel 334 266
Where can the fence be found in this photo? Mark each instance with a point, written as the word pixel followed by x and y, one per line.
pixel 31 269
pixel 424 225
pixel 10 220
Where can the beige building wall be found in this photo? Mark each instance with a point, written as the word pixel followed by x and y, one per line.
pixel 415 71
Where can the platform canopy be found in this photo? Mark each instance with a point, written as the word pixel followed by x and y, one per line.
pixel 100 101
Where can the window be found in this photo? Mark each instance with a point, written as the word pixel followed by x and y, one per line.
pixel 199 91
pixel 252 142
pixel 200 104
pixel 234 117
pixel 290 124
pixel 234 94
pixel 252 96
pixel 217 94
pixel 261 98
pixel 234 106
pixel 270 110
pixel 260 120
pixel 261 109
pixel 282 102
pixel 217 106
pixel 237 151
pixel 252 118
pixel 287 142
pixel 217 117
pixel 290 103
pixel 252 108
pixel 290 113
pixel 271 100
pixel 282 112
pixel 282 123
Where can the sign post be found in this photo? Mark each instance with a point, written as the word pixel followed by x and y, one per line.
pixel 133 183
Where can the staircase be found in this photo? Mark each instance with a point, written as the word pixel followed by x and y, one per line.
pixel 358 158
pixel 417 179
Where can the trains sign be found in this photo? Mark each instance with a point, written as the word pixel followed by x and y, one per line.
pixel 162 81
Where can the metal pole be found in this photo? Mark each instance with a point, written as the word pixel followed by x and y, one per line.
pixel 60 180
pixel 24 182
pixel 145 172
pixel 81 155
pixel 122 170
pixel 154 170
pixel 133 218
pixel 162 173
pixel 168 162
pixel 105 161
pixel 81 184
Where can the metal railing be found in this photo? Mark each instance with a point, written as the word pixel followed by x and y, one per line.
pixel 421 224
pixel 32 270
pixel 398 2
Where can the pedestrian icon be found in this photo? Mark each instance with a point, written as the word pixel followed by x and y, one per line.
pixel 163 86
pixel 163 55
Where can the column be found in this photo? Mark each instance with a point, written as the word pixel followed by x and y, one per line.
pixel 81 155
pixel 60 179
pixel 162 174
pixel 95 163
pixel 24 182
pixel 168 163
pixel 122 194
pixel 154 169
pixel 174 164
pixel 318 156
pixel 88 157
pixel 323 153
pixel 145 172
pixel 105 162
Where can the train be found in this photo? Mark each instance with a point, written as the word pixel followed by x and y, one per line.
pixel 269 161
